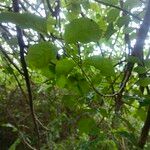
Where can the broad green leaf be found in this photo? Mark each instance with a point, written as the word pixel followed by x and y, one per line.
pixel 25 20
pixel 40 55
pixel 48 71
pixel 144 81
pixel 82 30
pixel 103 64
pixel 85 125
pixel 61 81
pixel 112 15
pixel 122 21
pixel 64 66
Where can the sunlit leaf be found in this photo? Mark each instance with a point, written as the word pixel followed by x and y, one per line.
pixel 103 64
pixel 64 66
pixel 82 30
pixel 41 54
pixel 25 20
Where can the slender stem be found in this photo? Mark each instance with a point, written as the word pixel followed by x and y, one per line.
pixel 26 75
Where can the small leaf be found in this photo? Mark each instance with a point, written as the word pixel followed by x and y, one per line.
pixel 112 15
pixel 113 2
pixel 64 66
pixel 122 21
pixel 144 81
pixel 140 69
pixel 25 20
pixel 132 3
pixel 40 55
pixel 82 30
pixel 103 64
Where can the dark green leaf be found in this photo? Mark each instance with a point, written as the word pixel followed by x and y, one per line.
pixel 144 81
pixel 140 69
pixel 85 125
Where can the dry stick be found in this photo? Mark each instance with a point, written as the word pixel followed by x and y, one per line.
pixel 26 75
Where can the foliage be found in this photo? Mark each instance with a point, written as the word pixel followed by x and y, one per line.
pixel 70 75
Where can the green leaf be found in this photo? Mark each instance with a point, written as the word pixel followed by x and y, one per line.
pixel 25 20
pixel 147 63
pixel 110 31
pixel 14 145
pixel 69 101
pixel 132 3
pixel 103 112
pixel 133 59
pixel 144 81
pixel 113 2
pixel 82 30
pixel 145 102
pixel 141 113
pixel 103 64
pixel 64 66
pixel 140 69
pixel 48 71
pixel 128 30
pixel 85 125
pixel 112 15
pixel 83 86
pixel 61 81
pixel 41 54
pixel 122 21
